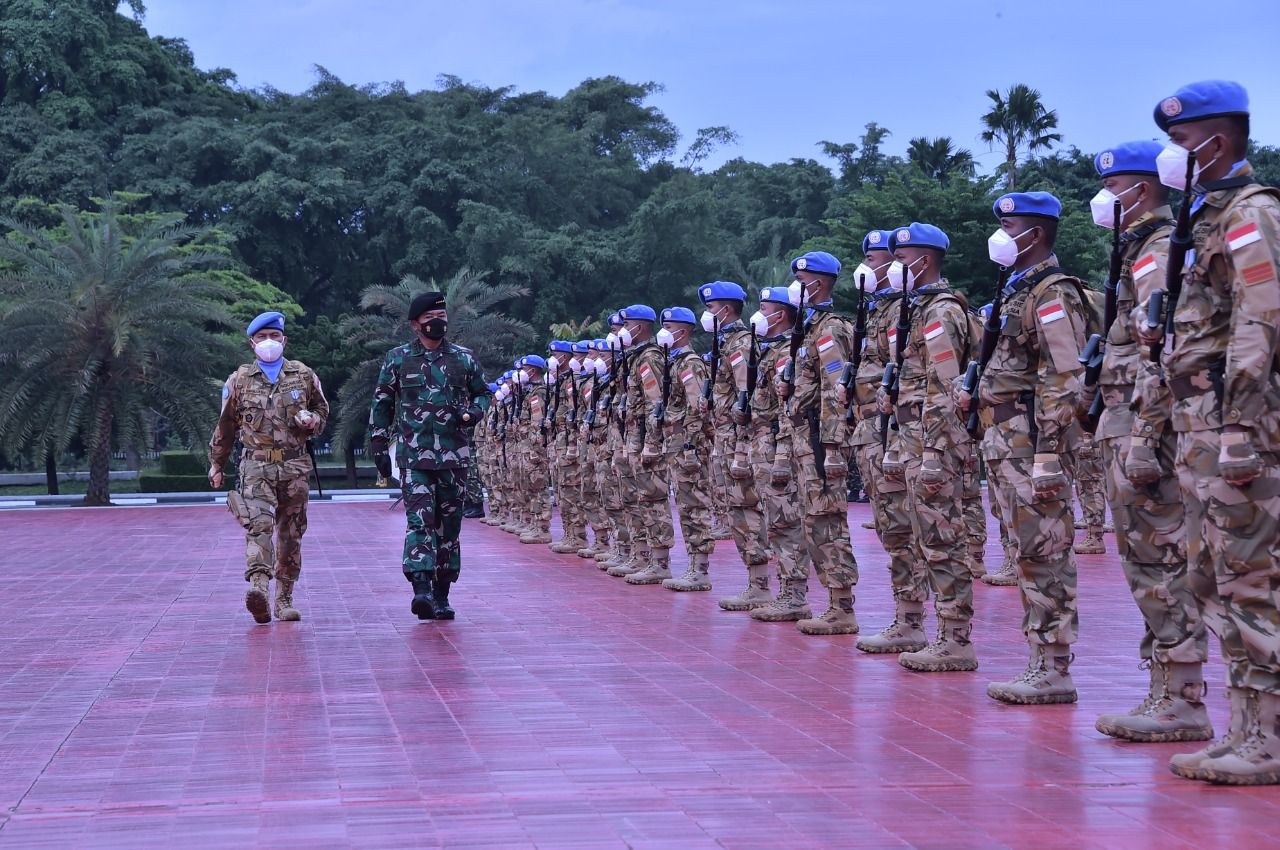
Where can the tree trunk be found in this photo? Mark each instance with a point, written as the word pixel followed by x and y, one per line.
pixel 99 491
pixel 51 474
pixel 351 465
pixel 1012 158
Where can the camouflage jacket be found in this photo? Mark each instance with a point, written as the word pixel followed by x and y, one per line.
pixel 644 391
pixel 533 425
pixel 420 397
pixel 1125 364
pixel 828 345
pixel 1035 368
pixel 685 412
pixel 877 352
pixel 766 405
pixel 1222 367
pixel 261 413
pixel 730 378
pixel 936 345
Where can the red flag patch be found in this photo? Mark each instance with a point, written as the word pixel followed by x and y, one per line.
pixel 1257 273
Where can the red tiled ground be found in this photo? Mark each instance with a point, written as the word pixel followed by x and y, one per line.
pixel 140 707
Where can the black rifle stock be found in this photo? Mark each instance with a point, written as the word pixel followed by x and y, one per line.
pixel 849 377
pixel 660 415
pixel 1179 243
pixel 753 367
pixel 1095 351
pixel 893 371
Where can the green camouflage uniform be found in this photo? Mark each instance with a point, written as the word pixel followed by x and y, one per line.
pixel 419 400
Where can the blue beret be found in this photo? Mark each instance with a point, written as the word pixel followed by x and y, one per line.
pixel 615 318
pixel 560 346
pixel 679 314
pixel 778 295
pixel 985 310
pixel 816 261
pixel 493 388
pixel 721 290
pixel 506 376
pixel 876 240
pixel 532 360
pixel 1027 203
pixel 582 346
pixel 918 235
pixel 1128 158
pixel 1198 101
pixel 638 311
pixel 266 320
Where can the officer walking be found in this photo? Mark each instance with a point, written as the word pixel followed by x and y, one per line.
pixel 428 394
pixel 273 405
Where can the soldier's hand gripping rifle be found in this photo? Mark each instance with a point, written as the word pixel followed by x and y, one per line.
pixel 753 369
pixel 794 345
pixel 1179 243
pixel 893 370
pixel 849 378
pixel 660 414
pixel 990 336
pixel 1096 349
pixel 709 384
pixel 626 383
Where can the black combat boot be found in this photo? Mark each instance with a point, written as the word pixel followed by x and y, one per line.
pixel 422 605
pixel 473 510
pixel 440 598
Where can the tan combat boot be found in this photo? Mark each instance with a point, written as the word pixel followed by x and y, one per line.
pixel 1092 543
pixel 952 651
pixel 791 605
pixel 1006 576
pixel 257 600
pixel 1047 679
pixel 635 562
pixel 656 570
pixel 904 634
pixel 977 564
pixel 1107 723
pixel 754 595
pixel 617 556
pixel 838 619
pixel 284 602
pixel 599 546
pixel 870 525
pixel 1174 712
pixel 696 578
pixel 570 542
pixel 1192 765
pixel 536 534
pixel 1256 759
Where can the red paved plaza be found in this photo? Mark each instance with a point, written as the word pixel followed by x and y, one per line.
pixel 141 707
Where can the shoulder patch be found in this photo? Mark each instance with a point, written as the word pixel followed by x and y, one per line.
pixel 1243 236
pixel 1145 266
pixel 1258 273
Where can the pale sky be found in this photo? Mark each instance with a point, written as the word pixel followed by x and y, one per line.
pixel 784 75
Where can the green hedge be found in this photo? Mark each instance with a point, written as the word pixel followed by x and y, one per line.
pixel 151 483
pixel 180 463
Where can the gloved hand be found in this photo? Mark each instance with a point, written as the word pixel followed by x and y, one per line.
pixel 780 472
pixel 932 476
pixel 739 417
pixel 883 404
pixel 1141 466
pixel 1238 463
pixel 1047 477
pixel 891 466
pixel 649 457
pixel 688 461
pixel 835 464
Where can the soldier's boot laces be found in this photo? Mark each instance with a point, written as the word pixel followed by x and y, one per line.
pixel 1256 759
pixel 977 564
pixel 1006 576
pixel 635 562
pixel 755 595
pixel 440 599
pixel 905 634
pixel 257 599
pixel 1192 765
pixel 1173 711
pixel 838 619
pixel 696 578
pixel 421 606
pixel 536 535
pixel 1091 544
pixel 284 609
pixel 791 605
pixel 869 524
pixel 951 652
pixel 616 557
pixel 656 570
pixel 1047 679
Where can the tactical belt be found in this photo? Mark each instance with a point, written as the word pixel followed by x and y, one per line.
pixel 274 455
pixel 908 413
pixel 1205 381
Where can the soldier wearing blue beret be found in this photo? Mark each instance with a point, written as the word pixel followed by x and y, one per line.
pixel 272 406
pixel 582 451
pixel 563 463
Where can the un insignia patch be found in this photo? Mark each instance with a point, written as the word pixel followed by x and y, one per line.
pixel 1107 159
pixel 1007 205
pixel 1171 107
pixel 802 263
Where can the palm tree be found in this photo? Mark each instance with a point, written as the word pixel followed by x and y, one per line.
pixel 474 322
pixel 1017 121
pixel 98 329
pixel 939 158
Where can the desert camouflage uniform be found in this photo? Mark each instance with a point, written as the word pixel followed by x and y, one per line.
pixel 271 493
pixel 535 458
pixel 1089 486
pixel 587 455
pixel 566 465
pixel 975 517
pixel 644 449
pixel 687 446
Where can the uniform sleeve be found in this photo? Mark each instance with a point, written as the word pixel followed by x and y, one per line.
pixel 1060 323
pixel 478 387
pixel 946 336
pixel 828 364
pixel 1152 403
pixel 382 411
pixel 692 372
pixel 317 403
pixel 224 432
pixel 1253 242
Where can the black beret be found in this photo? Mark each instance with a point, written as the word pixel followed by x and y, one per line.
pixel 424 301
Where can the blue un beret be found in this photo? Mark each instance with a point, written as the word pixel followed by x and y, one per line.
pixel 560 346
pixel 532 360
pixel 816 261
pixel 1027 203
pixel 721 290
pixel 615 318
pixel 493 388
pixel 918 235
pixel 777 295
pixel 1128 158
pixel 266 320
pixel 679 314
pixel 1198 101
pixel 638 311
pixel 876 240
pixel 582 346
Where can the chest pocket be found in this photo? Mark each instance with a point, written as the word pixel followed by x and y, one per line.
pixel 1016 333
pixel 1199 299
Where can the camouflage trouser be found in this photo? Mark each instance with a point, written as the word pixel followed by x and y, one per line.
pixel 975 518
pixel 891 511
pixel 610 485
pixel 998 493
pixel 826 516
pixel 718 477
pixel 652 493
pixel 592 507
pixel 569 495
pixel 1233 554
pixel 693 499
pixel 271 501
pixel 628 501
pixel 475 489
pixel 1151 537
pixel 1043 531
pixel 746 516
pixel 938 528
pixel 433 508
pixel 1088 475
pixel 537 479
pixel 784 514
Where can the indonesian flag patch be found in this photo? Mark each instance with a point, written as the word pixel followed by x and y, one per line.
pixel 1242 236
pixel 1144 267
pixel 781 365
pixel 649 382
pixel 893 335
pixel 686 377
pixel 1051 312
pixel 932 331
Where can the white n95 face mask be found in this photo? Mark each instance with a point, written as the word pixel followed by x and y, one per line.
pixel 796 292
pixel 1171 164
pixel 1103 207
pixel 269 350
pixel 708 321
pixel 624 336
pixel 864 277
pixel 612 341
pixel 665 339
pixel 575 365
pixel 601 367
pixel 1003 248
pixel 760 323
